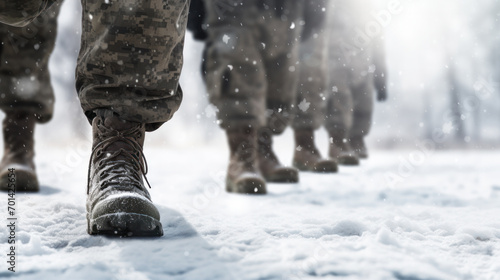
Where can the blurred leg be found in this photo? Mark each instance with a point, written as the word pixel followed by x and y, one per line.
pixel 235 79
pixel 339 120
pixel 310 105
pixel 24 73
pixel 282 77
pixel 26 94
pixel 21 13
pixel 362 116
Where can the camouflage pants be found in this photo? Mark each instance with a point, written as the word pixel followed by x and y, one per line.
pixel 334 90
pixel 130 58
pixel 24 74
pixel 312 91
pixel 350 106
pixel 250 62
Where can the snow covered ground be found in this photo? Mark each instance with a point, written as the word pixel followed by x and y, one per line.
pixel 437 216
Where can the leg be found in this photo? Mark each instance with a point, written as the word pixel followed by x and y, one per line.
pixel 282 86
pixel 235 79
pixel 310 106
pixel 128 83
pixel 340 117
pixel 362 116
pixel 26 93
pixel 131 58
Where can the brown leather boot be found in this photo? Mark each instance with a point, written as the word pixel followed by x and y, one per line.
pixel 270 166
pixel 341 151
pixel 359 146
pixel 243 175
pixel 307 157
pixel 18 130
pixel 118 202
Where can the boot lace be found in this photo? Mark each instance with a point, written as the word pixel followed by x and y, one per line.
pixel 113 170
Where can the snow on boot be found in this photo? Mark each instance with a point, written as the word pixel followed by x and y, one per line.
pixel 18 129
pixel 341 151
pixel 118 203
pixel 243 175
pixel 307 157
pixel 270 167
pixel 358 145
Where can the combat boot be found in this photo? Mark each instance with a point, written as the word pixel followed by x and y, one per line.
pixel 270 167
pixel 243 175
pixel 18 130
pixel 358 145
pixel 118 203
pixel 341 151
pixel 307 156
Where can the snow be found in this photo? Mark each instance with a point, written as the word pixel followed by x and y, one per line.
pixel 438 220
pixel 441 222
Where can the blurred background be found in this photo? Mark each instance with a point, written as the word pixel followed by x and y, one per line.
pixel 444 73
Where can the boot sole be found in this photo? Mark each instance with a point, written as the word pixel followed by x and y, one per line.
pixel 253 186
pixel 125 225
pixel 26 181
pixel 326 167
pixel 349 161
pixel 284 175
pixel 320 167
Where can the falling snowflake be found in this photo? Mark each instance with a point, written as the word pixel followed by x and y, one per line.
pixel 447 127
pixel 211 111
pixel 304 105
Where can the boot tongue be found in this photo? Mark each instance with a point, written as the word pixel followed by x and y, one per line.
pixel 118 126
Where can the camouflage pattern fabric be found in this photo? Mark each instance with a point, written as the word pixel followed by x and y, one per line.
pixel 131 58
pixel 350 109
pixel 24 74
pixel 250 61
pixel 312 91
pixel 352 65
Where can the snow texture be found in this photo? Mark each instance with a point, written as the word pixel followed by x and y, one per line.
pixel 440 222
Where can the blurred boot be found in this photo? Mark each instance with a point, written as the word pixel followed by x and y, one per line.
pixel 307 156
pixel 243 175
pixel 18 130
pixel 118 202
pixel 270 166
pixel 358 145
pixel 341 151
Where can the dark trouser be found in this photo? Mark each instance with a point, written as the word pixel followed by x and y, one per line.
pixel 350 109
pixel 250 64
pixel 312 91
pixel 24 73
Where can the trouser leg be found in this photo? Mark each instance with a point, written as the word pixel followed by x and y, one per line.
pixel 310 103
pixel 340 105
pixel 235 77
pixel 24 74
pixel 282 76
pixel 362 109
pixel 131 58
